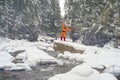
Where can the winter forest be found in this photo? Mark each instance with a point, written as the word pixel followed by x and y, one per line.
pixel 31 45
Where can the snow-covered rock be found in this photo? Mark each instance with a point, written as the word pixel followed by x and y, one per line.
pixel 68 46
pixel 111 44
pixel 50 49
pixel 21 66
pixel 81 72
pixel 22 56
pixel 60 55
pixel 6 60
pixel 35 56
pixel 106 76
pixel 91 49
pixel 67 54
pixel 113 69
pixel 105 57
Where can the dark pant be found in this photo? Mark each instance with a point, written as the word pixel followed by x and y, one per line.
pixel 63 38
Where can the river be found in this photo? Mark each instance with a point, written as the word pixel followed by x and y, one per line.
pixel 40 72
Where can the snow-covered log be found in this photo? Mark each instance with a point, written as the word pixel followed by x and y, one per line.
pixel 65 46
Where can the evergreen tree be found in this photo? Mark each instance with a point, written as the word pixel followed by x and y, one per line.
pixel 98 21
pixel 28 18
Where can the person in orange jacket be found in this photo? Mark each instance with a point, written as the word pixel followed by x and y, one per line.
pixel 63 33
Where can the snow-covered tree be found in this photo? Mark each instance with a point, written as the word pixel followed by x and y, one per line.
pixel 97 20
pixel 28 18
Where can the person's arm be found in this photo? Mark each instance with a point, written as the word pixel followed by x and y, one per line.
pixel 69 29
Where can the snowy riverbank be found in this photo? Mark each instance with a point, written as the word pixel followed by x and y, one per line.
pixel 106 59
pixel 23 55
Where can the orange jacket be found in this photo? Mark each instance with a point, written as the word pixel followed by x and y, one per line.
pixel 64 30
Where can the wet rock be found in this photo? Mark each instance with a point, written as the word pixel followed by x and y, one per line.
pixel 1 69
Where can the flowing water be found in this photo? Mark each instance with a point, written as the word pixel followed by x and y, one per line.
pixel 41 72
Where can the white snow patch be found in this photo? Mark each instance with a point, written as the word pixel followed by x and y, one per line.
pixel 104 57
pixel 81 72
pixel 6 60
pixel 106 76
pixel 50 49
pixel 22 56
pixel 36 56
pixel 21 66
pixel 113 69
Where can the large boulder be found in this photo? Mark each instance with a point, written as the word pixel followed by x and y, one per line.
pixel 61 47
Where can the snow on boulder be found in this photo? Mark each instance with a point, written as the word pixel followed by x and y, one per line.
pixel 35 56
pixel 21 56
pixel 67 46
pixel 113 69
pixel 106 76
pixel 6 60
pixel 66 55
pixel 50 49
pixel 42 47
pixel 21 66
pixel 81 72
pixel 105 57
pixel 70 56
pixel 91 49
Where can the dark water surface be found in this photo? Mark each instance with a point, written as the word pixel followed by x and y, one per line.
pixel 41 72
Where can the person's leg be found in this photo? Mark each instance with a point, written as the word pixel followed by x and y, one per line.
pixel 64 38
pixel 61 38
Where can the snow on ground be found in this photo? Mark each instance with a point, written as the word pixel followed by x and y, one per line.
pixel 114 69
pixel 95 57
pixel 106 76
pixel 29 53
pixel 38 56
pixel 104 57
pixel 83 72
pixel 5 60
